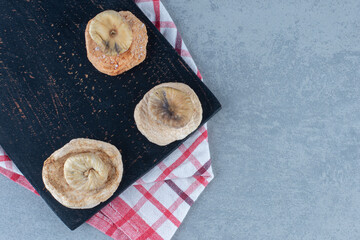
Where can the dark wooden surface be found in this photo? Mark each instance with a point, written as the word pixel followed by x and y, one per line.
pixel 50 93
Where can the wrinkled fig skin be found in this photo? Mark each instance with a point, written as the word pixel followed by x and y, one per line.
pixel 110 31
pixel 83 173
pixel 171 107
pixel 165 118
pixel 86 171
pixel 116 64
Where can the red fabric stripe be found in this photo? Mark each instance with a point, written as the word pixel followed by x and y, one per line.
pixel 176 204
pixel 14 177
pixel 140 181
pixel 9 165
pixel 201 169
pixel 180 192
pixel 178 43
pixel 4 158
pixel 111 230
pixel 119 235
pixel 202 129
pixel 192 159
pixel 184 53
pixel 157 204
pixel 183 157
pixel 140 1
pixel 19 179
pixel 104 224
pixel 202 180
pixel 150 234
pixel 126 218
pixel 157 13
pixel 165 24
pixel 163 167
pixel 143 200
pixel 192 188
pixel 199 75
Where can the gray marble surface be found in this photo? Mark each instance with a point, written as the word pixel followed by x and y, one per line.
pixel 285 147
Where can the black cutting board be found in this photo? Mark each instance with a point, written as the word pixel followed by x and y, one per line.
pixel 50 93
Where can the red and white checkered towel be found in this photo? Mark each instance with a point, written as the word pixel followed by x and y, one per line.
pixel 155 206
